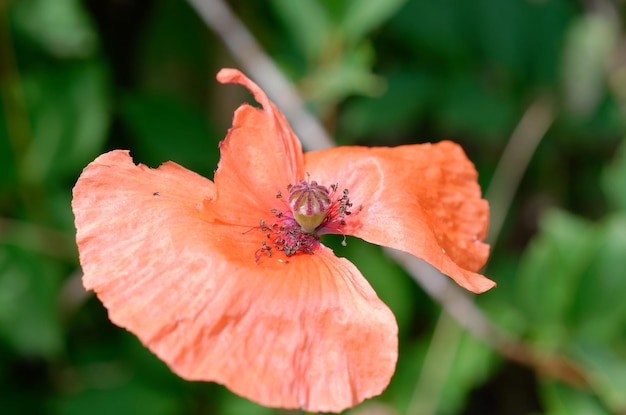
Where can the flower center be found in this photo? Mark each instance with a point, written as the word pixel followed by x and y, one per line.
pixel 309 203
pixel 314 210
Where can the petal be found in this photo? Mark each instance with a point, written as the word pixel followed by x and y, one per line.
pixel 259 157
pixel 300 332
pixel 115 198
pixel 423 199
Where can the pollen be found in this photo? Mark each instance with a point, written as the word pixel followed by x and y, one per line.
pixel 312 210
pixel 286 236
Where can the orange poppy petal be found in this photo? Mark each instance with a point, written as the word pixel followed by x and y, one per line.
pixel 259 157
pixel 300 332
pixel 423 199
pixel 114 198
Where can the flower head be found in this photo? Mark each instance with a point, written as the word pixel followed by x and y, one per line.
pixel 227 281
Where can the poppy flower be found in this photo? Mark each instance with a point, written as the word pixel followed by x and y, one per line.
pixel 227 281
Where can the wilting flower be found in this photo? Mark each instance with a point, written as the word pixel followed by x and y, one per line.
pixel 227 281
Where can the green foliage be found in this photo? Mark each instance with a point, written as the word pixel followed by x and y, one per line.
pixel 359 21
pixel 81 78
pixel 567 401
pixel 61 28
pixel 158 123
pixel 404 100
pixel 570 286
pixel 28 287
pixel 550 273
pixel 614 179
pixel 337 56
pixel 472 365
pixel 308 23
pixel 588 52
pixel 55 97
pixel 127 399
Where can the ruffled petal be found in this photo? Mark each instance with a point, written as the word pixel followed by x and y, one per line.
pixel 114 198
pixel 259 157
pixel 300 332
pixel 423 199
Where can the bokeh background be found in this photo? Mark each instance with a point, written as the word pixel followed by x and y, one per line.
pixel 534 90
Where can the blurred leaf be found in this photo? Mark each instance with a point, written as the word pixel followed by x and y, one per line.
pixel 506 40
pixel 8 169
pixel 61 27
pixel 435 372
pixel 603 282
pixel 608 373
pixel 562 400
pixel 400 107
pixel 466 105
pixel 36 239
pixel 372 407
pixel 543 37
pixel 433 29
pixel 28 317
pixel 234 405
pixel 410 362
pixel 128 398
pixel 166 129
pixel 350 75
pixel 606 124
pixel 473 363
pixel 457 365
pixel 361 17
pixel 571 285
pixel 588 50
pixel 308 25
pixel 499 26
pixel 497 304
pixel 550 271
pixel 171 56
pixel 614 179
pixel 69 109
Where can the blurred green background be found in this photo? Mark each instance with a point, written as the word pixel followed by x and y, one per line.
pixel 79 78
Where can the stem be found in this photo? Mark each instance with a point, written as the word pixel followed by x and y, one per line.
pixel 514 161
pixel 438 361
pixel 262 68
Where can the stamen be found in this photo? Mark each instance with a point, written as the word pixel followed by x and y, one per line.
pixel 313 211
